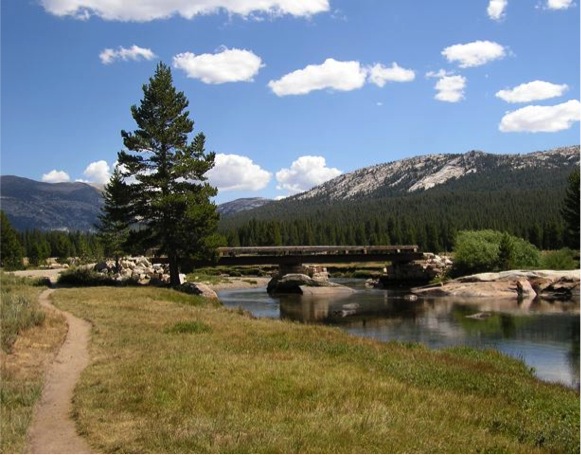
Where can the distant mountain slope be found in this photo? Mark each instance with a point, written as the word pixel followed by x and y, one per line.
pixel 241 205
pixel 426 172
pixel 422 200
pixel 29 204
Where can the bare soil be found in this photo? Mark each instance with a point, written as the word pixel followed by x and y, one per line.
pixel 52 429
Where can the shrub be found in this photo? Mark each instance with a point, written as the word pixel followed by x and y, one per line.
pixel 83 276
pixel 488 250
pixel 563 259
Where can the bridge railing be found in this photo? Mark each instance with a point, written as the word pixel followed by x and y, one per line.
pixel 316 250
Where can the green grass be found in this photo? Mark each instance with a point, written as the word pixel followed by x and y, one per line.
pixel 178 375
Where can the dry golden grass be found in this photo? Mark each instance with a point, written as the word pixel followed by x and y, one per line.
pixel 23 367
pixel 175 374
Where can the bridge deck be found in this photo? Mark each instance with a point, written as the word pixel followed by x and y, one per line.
pixel 316 254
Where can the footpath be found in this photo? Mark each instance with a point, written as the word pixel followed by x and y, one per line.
pixel 52 429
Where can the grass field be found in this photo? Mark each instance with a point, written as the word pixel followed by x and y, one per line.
pixel 172 373
pixel 30 338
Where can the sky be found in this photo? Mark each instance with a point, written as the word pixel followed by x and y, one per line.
pixel 288 93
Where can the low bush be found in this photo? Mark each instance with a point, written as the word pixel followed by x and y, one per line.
pixel 82 276
pixel 563 259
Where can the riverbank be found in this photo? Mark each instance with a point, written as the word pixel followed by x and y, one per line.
pixel 176 373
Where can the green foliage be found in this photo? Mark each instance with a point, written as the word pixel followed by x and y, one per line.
pixel 10 247
pixel 115 217
pixel 170 196
pixel 563 259
pixel 570 209
pixel 488 250
pixel 83 276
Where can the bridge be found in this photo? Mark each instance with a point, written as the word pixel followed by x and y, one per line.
pixel 294 256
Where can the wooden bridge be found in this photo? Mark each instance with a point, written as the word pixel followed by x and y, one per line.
pixel 296 255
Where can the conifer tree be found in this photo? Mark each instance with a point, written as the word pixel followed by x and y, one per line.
pixel 116 216
pixel 11 250
pixel 171 196
pixel 570 210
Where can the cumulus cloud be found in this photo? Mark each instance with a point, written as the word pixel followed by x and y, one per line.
pixel 496 9
pixel 97 172
pixel 532 91
pixel 148 10
pixel 332 74
pixel 305 173
pixel 136 53
pixel 450 87
pixel 55 176
pixel 559 4
pixel 473 54
pixel 228 65
pixel 237 173
pixel 379 74
pixel 542 119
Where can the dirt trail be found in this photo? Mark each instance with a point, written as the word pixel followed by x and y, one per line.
pixel 52 430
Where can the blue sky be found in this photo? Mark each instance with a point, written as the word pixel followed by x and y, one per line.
pixel 288 93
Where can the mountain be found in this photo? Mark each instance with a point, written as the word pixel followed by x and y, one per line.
pixel 426 172
pixel 241 205
pixel 423 200
pixel 29 204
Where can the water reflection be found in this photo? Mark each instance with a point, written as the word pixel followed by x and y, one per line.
pixel 543 334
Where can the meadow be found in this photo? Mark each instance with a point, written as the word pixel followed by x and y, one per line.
pixel 174 373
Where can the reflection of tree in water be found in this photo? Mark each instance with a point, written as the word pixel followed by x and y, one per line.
pixel 574 353
pixel 507 325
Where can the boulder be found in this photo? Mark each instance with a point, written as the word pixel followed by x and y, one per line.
pixel 299 283
pixel 519 284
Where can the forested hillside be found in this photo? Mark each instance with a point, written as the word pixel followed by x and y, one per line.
pixel 498 193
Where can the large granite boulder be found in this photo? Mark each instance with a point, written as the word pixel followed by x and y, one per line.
pixel 299 283
pixel 548 284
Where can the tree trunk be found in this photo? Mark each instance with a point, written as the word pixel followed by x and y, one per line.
pixel 174 271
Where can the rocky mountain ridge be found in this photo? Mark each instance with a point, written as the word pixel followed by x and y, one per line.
pixel 428 171
pixel 70 206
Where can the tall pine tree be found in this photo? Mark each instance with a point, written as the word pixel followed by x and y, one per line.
pixel 171 196
pixel 570 210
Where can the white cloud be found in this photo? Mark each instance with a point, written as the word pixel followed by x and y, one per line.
pixel 532 91
pixel 559 4
pixel 496 9
pixel 542 119
pixel 148 10
pixel 305 173
pixel 98 172
pixel 379 74
pixel 237 173
pixel 473 54
pixel 228 65
pixel 55 176
pixel 133 53
pixel 332 74
pixel 450 87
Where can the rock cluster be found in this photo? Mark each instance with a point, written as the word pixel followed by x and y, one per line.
pixel 424 270
pixel 141 271
pixel 138 269
pixel 523 284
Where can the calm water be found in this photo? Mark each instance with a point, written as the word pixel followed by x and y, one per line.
pixel 544 335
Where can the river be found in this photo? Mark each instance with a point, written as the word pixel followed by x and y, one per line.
pixel 545 335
